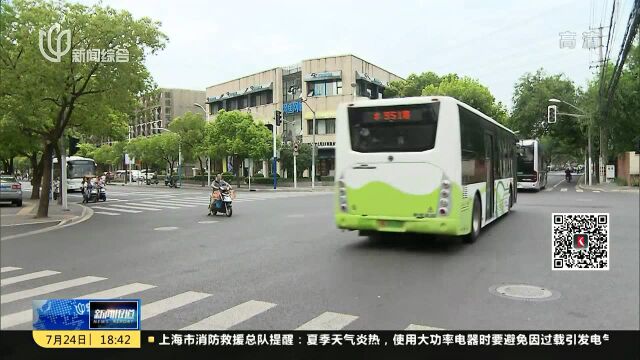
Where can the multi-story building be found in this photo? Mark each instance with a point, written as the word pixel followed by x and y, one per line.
pixel 157 110
pixel 323 82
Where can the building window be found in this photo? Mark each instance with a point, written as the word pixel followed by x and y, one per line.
pixel 167 102
pixel 243 102
pixel 324 88
pixel 252 99
pixel 167 118
pixel 167 95
pixel 232 104
pixel 323 126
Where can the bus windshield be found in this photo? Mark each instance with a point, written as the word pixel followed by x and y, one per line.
pixel 393 128
pixel 80 168
pixel 525 160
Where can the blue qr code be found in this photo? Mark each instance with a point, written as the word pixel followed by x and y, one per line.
pixel 580 241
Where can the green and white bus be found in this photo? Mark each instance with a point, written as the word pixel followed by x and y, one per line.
pixel 422 165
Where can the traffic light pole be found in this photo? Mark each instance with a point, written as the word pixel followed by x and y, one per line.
pixel 275 180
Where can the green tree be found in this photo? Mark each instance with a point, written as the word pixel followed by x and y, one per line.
pixel 191 129
pixel 236 133
pixel 471 92
pixel 529 116
pixel 72 94
pixel 86 150
pixel 303 160
pixel 412 85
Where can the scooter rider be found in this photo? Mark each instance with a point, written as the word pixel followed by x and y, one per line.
pixel 216 184
pixel 219 182
pixel 567 174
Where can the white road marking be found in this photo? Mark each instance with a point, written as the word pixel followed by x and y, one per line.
pixel 9 268
pixel 207 222
pixel 111 209
pixel 26 277
pixel 161 203
pixel 421 327
pixel 174 202
pixel 231 317
pixel 328 321
pixel 137 207
pixel 41 290
pixel 26 316
pixel 166 228
pixel 596 191
pixel 156 308
pixel 563 189
pixel 158 205
pixel 106 213
pixel 579 190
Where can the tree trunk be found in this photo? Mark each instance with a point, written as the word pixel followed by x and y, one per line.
pixel 11 169
pixel 43 206
pixel 36 176
pixel 201 170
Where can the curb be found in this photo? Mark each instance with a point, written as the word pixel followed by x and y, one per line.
pixel 591 188
pixel 87 213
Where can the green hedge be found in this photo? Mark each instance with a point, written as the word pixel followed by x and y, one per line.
pixel 326 178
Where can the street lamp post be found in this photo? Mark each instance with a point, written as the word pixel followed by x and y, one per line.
pixel 584 113
pixel 313 146
pixel 206 114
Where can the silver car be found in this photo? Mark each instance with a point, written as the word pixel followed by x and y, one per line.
pixel 10 190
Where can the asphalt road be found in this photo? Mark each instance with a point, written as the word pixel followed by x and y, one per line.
pixel 279 263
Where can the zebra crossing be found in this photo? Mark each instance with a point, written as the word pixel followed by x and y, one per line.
pixel 118 207
pixel 578 190
pixel 168 306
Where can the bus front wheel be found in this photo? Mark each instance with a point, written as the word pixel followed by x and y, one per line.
pixel 476 222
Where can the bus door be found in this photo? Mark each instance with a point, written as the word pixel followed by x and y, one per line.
pixel 489 154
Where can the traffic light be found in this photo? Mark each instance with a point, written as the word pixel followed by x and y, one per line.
pixel 278 117
pixel 552 114
pixel 295 148
pixel 73 145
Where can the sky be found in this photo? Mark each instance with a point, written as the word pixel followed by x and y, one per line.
pixel 494 41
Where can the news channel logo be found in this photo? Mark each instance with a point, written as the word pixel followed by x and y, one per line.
pixel 86 314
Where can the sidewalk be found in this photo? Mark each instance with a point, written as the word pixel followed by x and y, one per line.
pixel 608 187
pixel 284 187
pixel 19 222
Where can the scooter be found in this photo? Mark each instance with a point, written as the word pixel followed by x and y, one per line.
pixel 221 202
pixel 102 193
pixel 568 177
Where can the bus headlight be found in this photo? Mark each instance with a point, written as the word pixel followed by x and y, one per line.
pixel 444 203
pixel 446 184
pixel 443 211
pixel 444 194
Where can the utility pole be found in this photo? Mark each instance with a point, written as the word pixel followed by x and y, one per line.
pixel 603 140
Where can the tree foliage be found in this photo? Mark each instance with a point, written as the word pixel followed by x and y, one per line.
pixel 465 89
pixel 303 160
pixel 91 97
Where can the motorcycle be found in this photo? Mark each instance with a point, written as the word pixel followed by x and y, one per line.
pixel 568 177
pixel 220 201
pixel 171 182
pixel 102 193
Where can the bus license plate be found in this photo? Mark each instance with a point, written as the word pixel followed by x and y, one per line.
pixel 390 223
